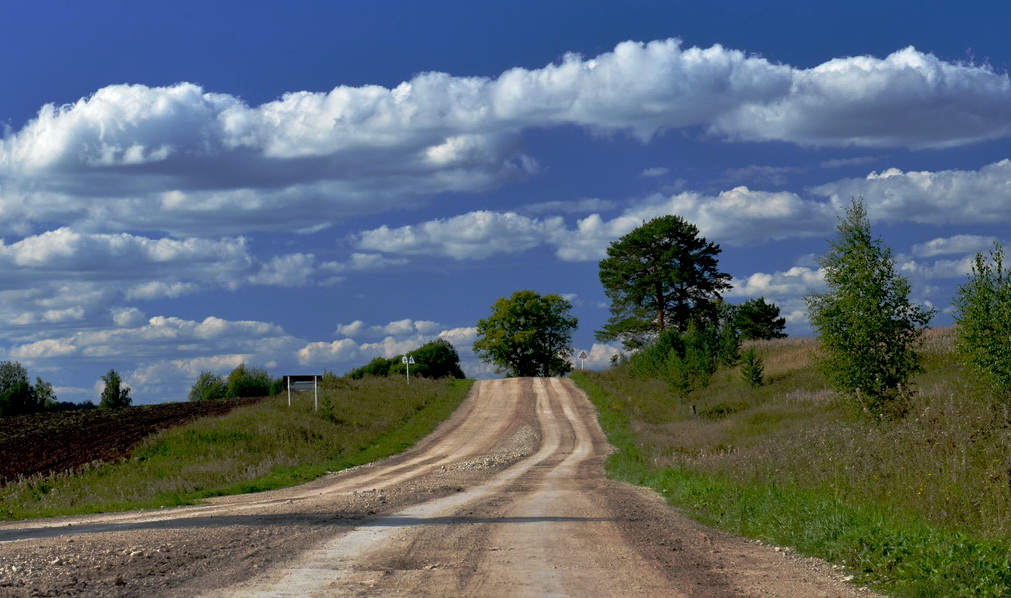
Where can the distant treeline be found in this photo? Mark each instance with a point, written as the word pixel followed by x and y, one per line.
pixel 242 382
pixel 437 359
pixel 18 396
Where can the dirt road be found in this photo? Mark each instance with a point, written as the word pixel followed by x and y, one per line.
pixel 508 498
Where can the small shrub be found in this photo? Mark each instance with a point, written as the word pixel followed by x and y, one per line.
pixel 687 361
pixel 752 368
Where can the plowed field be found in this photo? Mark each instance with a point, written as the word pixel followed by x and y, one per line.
pixel 57 442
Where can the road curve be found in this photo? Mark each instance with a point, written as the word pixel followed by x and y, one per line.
pixel 507 498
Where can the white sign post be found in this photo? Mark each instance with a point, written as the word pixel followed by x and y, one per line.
pixel 408 361
pixel 582 356
pixel 315 387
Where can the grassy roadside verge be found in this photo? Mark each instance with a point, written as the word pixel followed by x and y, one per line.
pixel 260 447
pixel 898 551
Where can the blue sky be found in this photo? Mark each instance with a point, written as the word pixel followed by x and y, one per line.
pixel 305 186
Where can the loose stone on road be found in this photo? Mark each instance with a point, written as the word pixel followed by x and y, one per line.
pixel 507 498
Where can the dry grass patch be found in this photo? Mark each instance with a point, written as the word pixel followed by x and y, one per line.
pixel 948 460
pixel 920 506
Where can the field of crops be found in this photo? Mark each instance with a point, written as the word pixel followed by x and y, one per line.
pixel 65 441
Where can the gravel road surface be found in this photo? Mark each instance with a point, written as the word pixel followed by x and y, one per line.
pixel 507 498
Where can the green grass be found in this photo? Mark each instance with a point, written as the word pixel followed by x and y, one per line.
pixel 254 448
pixel 918 507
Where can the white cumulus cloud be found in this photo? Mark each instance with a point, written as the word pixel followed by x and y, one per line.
pixel 797 281
pixel 736 217
pixel 958 244
pixel 475 235
pixel 907 99
pixel 187 161
pixel 944 197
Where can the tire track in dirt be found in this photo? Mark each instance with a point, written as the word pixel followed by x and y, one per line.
pixel 356 562
pixel 507 498
pixel 479 420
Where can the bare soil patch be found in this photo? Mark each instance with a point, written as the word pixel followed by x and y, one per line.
pixel 49 443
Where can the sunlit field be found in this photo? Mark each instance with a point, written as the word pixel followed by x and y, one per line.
pixel 257 447
pixel 792 462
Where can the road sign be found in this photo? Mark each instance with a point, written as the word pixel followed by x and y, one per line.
pixel 583 355
pixel 408 361
pixel 314 378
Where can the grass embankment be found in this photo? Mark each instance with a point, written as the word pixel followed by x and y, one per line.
pixel 918 507
pixel 260 447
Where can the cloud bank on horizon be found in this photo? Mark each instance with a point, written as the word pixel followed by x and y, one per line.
pixel 139 194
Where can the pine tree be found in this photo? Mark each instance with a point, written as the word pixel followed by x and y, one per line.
pixel 661 275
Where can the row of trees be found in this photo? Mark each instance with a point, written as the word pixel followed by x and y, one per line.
pixel 241 382
pixel 665 287
pixel 870 331
pixel 18 396
pixel 661 277
pixel 436 359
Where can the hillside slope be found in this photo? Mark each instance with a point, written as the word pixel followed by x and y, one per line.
pixel 920 505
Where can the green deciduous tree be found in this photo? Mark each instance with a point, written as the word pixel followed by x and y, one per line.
pixel 114 395
pixel 661 275
pixel 756 319
pixel 45 396
pixel 18 396
pixel 437 359
pixel 528 334
pixel 867 326
pixel 983 306
pixel 208 387
pixel 247 382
